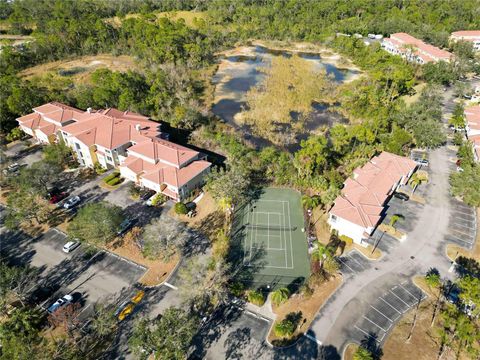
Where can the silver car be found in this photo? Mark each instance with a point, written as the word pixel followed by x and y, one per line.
pixel 71 202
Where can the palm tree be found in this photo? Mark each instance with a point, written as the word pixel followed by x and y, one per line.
pixel 323 252
pixel 362 354
pixel 279 296
pixel 394 219
pixel 418 178
pixel 311 202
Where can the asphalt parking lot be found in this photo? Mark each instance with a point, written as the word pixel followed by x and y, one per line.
pixel 385 311
pixel 353 262
pixel 382 241
pixel 97 277
pixel 462 224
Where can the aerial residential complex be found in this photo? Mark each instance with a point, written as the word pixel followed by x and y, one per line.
pixel 472 116
pixel 413 49
pixel 472 36
pixel 360 206
pixel 120 139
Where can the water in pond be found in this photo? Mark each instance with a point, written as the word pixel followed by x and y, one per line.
pixel 238 74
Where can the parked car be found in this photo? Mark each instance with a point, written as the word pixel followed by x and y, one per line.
pixel 41 293
pixel 58 197
pixel 70 246
pixel 125 226
pixel 146 195
pixel 11 169
pixel 63 301
pixel 401 196
pixel 452 294
pixel 70 203
pixel 149 202
pixel 422 162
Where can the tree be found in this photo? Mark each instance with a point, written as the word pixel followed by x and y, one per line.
pixel 458 117
pixel 168 337
pixel 322 253
pixel 57 154
pixel 470 292
pixel 204 283
pixel 228 187
pixel 24 206
pixel 311 202
pixel 181 208
pixel 311 159
pixel 284 328
pixel 38 177
pixel 256 297
pixel 465 184
pixel 362 354
pixel 439 73
pixel 417 179
pixel 96 223
pixel 432 278
pixel 162 239
pixel 280 296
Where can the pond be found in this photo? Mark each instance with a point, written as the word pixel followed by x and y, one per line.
pixel 240 72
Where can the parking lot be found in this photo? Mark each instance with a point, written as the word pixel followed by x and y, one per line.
pixel 462 224
pixel 385 311
pixel 98 277
pixel 352 263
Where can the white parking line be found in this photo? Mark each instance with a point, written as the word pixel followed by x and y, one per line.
pixel 358 262
pixel 385 316
pixel 462 233
pixel 368 334
pixel 85 308
pixel 401 300
pixel 471 212
pixel 374 323
pixel 456 237
pixel 344 263
pixel 394 308
pixel 313 338
pixel 464 226
pixel 415 296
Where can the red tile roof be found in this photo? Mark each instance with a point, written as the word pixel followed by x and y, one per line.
pixel 426 51
pixel 363 196
pixel 468 33
pixel 165 151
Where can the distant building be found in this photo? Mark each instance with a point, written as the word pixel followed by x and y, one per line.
pixel 120 139
pixel 472 36
pixel 472 120
pixel 360 206
pixel 413 49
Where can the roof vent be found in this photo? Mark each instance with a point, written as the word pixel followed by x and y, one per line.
pixel 138 127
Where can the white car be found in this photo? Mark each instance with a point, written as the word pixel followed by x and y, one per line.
pixel 70 246
pixel 65 300
pixel 149 202
pixel 70 203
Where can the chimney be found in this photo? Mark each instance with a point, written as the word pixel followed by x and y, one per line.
pixel 89 110
pixel 138 127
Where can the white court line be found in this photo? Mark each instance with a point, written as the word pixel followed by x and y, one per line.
pixel 368 334
pixel 416 297
pixel 385 316
pixel 344 263
pixel 374 323
pixel 401 301
pixel 284 234
pixel 393 307
pixel 290 226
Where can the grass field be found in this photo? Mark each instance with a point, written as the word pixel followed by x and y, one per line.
pixel 81 68
pixel 268 240
pixel 188 16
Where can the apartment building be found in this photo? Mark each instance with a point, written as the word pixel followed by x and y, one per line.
pixel 413 49
pixel 120 139
pixel 472 127
pixel 360 206
pixel 472 36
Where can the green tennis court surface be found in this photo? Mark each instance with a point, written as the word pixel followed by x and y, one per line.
pixel 268 237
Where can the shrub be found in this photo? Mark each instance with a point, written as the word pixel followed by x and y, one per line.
pixel 284 328
pixel 134 191
pixel 280 296
pixel 306 291
pixel 362 354
pixel 159 199
pixel 237 288
pixel 115 181
pixel 346 239
pixel 181 208
pixel 110 177
pixel 256 297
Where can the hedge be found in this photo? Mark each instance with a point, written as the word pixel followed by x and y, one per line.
pixel 114 181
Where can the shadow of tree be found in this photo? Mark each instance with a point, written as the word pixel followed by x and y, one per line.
pixel 370 342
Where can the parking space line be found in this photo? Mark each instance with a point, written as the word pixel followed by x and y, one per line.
pixel 401 301
pixel 368 334
pixel 416 297
pixel 385 316
pixel 358 262
pixel 471 213
pixel 344 263
pixel 460 232
pixel 374 323
pixel 456 237
pixel 394 308
pixel 85 308
pixel 468 227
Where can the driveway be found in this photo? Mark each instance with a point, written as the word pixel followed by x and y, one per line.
pixel 23 154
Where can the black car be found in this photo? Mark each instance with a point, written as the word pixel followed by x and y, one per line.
pixel 125 226
pixel 401 196
pixel 147 194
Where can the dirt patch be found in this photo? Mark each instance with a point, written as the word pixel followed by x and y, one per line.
pixel 307 306
pixel 81 68
pixel 350 351
pixel 390 230
pixel 157 270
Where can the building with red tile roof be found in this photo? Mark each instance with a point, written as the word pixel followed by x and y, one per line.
pixel 472 36
pixel 360 206
pixel 124 139
pixel 472 122
pixel 413 49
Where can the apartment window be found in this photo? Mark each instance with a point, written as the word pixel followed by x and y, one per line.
pixel 333 218
pixel 80 154
pixel 77 146
pixel 109 158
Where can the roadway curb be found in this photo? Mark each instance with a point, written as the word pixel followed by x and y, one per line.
pixel 167 278
pixel 125 259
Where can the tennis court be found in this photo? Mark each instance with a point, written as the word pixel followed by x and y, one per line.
pixel 272 246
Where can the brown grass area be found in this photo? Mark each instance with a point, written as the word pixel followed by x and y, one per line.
pixel 454 250
pixel 157 270
pixel 391 231
pixel 410 99
pixel 350 351
pixel 307 306
pixel 85 65
pixel 366 251
pixel 188 16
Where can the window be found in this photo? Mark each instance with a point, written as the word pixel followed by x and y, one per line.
pixel 109 158
pixel 333 218
pixel 77 146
